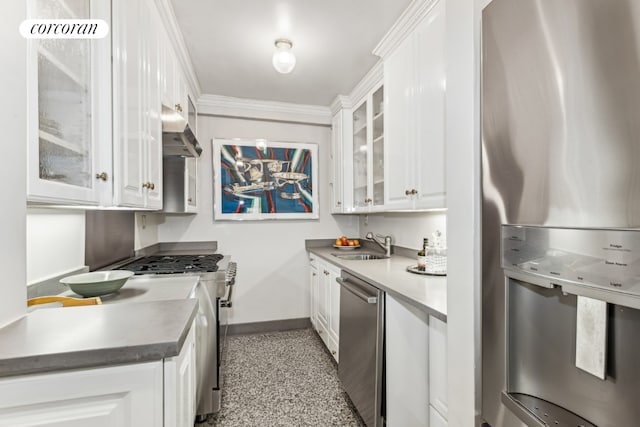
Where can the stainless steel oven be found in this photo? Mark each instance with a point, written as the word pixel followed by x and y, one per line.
pixel 214 290
pixel 109 245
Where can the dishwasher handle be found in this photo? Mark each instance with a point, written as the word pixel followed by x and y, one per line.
pixel 357 292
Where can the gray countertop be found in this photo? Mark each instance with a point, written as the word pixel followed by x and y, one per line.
pixel 428 293
pixel 148 319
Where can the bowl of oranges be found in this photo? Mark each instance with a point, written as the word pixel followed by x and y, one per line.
pixel 346 244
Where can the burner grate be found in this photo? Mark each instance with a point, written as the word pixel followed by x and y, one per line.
pixel 174 264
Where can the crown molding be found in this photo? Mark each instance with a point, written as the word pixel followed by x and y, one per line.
pixel 408 21
pixel 368 82
pixel 180 48
pixel 340 103
pixel 218 105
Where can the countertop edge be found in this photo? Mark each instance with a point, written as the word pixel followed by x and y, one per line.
pixel 98 357
pixel 372 280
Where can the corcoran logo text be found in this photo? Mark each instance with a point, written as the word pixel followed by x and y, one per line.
pixel 64 28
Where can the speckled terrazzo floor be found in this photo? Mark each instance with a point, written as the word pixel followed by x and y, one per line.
pixel 281 379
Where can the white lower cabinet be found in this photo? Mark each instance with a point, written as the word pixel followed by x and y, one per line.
pixel 154 394
pixel 129 395
pixel 435 419
pixel 325 302
pixel 438 365
pixel 313 300
pixel 415 345
pixel 180 385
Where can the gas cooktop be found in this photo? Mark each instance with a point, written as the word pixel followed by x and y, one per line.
pixel 174 264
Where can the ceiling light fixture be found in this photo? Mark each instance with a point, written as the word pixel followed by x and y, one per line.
pixel 283 59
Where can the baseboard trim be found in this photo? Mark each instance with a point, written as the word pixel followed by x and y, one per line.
pixel 269 326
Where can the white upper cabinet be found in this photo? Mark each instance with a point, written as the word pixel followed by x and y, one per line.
pixel 367 153
pixel 341 131
pixel 69 102
pixel 137 145
pixel 174 88
pixel 414 76
pixel 95 107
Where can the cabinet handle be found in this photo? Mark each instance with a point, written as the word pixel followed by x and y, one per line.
pixel 146 185
pixel 338 203
pixel 178 108
pixel 333 352
pixel 368 200
pixel 314 274
pixel 414 192
pixel 103 176
pixel 152 186
pixel 189 199
pixel 407 192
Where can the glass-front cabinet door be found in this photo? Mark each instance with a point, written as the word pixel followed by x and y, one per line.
pixel 368 152
pixel 360 157
pixel 69 108
pixel 377 147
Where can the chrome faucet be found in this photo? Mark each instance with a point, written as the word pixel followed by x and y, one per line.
pixel 379 239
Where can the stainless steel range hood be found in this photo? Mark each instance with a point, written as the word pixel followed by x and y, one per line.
pixel 177 137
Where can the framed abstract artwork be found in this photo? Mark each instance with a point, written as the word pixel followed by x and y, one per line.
pixel 259 179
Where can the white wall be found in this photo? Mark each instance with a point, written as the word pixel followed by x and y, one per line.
pixel 272 281
pixel 55 242
pixel 463 216
pixel 146 230
pixel 13 186
pixel 406 229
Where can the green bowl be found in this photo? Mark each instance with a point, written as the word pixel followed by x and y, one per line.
pixel 97 283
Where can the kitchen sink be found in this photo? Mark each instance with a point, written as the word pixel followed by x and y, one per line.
pixel 360 257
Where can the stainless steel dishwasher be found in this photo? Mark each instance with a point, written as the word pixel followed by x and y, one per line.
pixel 361 346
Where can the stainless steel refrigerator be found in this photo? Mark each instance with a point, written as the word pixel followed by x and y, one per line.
pixel 560 213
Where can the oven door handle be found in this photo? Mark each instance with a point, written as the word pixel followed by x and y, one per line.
pixel 226 300
pixel 229 281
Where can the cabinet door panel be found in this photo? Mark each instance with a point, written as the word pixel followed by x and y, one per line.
pixel 129 132
pixel 323 295
pixel 313 280
pixel 438 365
pixel 337 129
pixel 360 157
pixel 137 119
pixel 400 134
pixel 192 184
pixel 376 148
pixel 180 385
pixel 435 419
pixel 69 114
pixel 429 155
pixel 125 396
pixel 153 110
pixel 407 376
